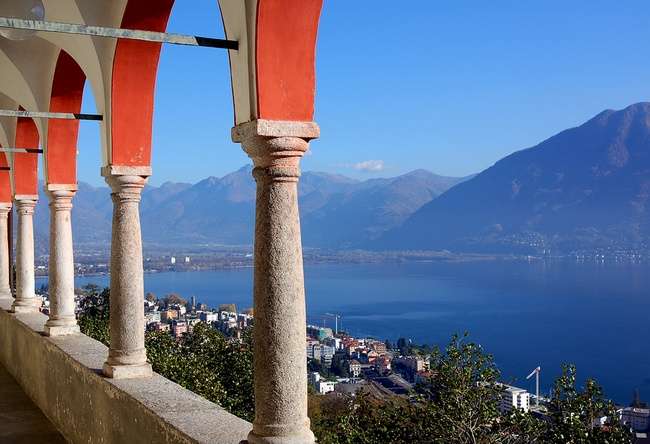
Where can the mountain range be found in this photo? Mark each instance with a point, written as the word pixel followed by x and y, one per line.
pixel 336 211
pixel 584 188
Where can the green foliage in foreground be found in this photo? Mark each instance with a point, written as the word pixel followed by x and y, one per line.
pixel 459 404
pixel 208 364
pixel 203 361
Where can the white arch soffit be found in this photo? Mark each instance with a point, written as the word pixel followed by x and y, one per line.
pixel 240 22
pixel 34 62
pixel 8 133
pixel 93 54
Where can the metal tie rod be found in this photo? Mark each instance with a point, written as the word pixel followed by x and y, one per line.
pixel 21 150
pixel 44 115
pixel 5 169
pixel 101 31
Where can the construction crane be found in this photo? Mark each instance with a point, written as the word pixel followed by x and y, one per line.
pixel 336 321
pixel 536 373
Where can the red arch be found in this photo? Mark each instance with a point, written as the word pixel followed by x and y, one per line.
pixel 285 55
pixel 5 184
pixel 134 79
pixel 67 94
pixel 26 164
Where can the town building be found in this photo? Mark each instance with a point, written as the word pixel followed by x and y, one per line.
pixel 355 368
pixel 514 397
pixel 637 418
pixel 320 333
pixel 208 316
pixel 178 328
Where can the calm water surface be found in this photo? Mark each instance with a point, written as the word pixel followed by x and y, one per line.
pixel 525 314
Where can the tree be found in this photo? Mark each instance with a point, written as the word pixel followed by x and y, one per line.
pixel 95 311
pixel 151 297
pixel 340 365
pixel 174 299
pixel 404 346
pixel 575 413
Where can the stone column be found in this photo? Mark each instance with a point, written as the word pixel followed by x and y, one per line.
pixel 127 357
pixel 62 319
pixel 279 294
pixel 26 300
pixel 5 288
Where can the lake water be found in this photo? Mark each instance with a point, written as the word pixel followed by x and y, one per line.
pixel 596 316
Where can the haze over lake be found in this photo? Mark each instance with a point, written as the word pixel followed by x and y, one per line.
pixel 526 314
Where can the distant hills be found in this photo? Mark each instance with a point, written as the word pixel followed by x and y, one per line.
pixel 336 211
pixel 586 187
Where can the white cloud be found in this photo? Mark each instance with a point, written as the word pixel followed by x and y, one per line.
pixel 370 166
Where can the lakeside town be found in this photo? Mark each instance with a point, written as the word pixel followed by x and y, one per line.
pixel 94 261
pixel 340 364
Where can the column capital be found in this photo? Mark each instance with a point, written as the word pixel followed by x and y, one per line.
pixel 275 128
pixel 61 187
pixel 25 197
pixel 25 206
pixel 126 188
pixel 5 207
pixel 61 199
pixel 123 170
pixel 275 147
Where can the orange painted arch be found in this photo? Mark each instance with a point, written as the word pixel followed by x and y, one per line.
pixel 67 94
pixel 26 164
pixel 285 58
pixel 135 68
pixel 5 184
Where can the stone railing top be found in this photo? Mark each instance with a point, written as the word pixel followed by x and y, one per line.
pixel 63 376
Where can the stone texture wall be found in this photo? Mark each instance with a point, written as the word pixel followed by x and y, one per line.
pixel 62 375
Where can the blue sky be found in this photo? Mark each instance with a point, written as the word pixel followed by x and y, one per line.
pixel 449 86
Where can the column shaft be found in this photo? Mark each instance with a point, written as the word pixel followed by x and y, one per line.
pixel 26 300
pixel 61 267
pixel 127 357
pixel 5 288
pixel 279 294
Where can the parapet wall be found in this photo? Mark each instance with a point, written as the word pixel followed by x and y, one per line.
pixel 62 375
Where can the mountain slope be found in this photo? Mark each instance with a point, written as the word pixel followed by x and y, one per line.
pixel 586 187
pixel 336 211
pixel 366 211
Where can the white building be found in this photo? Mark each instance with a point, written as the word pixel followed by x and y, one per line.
pixel 320 352
pixel 151 316
pixel 314 377
pixel 334 342
pixel 638 419
pixel 514 397
pixel 325 387
pixel 208 317
pixel 355 368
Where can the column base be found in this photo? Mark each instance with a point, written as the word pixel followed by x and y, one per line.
pixel 61 330
pixel 305 438
pixel 26 307
pixel 127 371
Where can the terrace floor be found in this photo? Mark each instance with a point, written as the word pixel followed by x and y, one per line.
pixel 21 422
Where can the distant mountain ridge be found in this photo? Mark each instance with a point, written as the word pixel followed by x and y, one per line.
pixel 586 187
pixel 336 211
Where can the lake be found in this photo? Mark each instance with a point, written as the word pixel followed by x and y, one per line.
pixel 526 314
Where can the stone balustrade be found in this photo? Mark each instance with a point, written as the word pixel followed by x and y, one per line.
pixel 63 376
